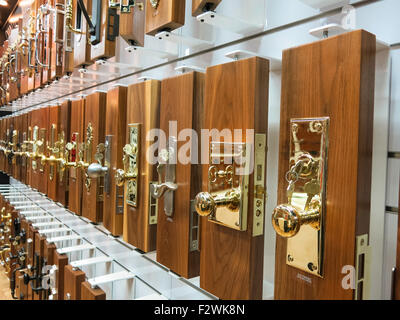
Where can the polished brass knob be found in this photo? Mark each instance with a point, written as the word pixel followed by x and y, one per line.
pixel 121 177
pixel 206 204
pixel 287 220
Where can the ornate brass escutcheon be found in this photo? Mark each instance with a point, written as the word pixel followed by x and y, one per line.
pixel 154 3
pixel 301 219
pixel 166 167
pixel 130 174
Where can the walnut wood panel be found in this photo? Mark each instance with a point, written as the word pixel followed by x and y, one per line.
pixel 48 252
pixel 31 234
pixel 17 161
pixel 88 293
pixel 75 177
pixel 9 126
pixel 168 15
pixel 48 26
pixel 24 136
pixel 231 264
pixel 39 47
pixel 52 135
pixel 132 25
pixel 82 48
pixel 72 283
pixel 95 114
pixel 21 289
pixel 29 137
pixel 61 261
pixel 335 78
pixel 116 128
pixel 40 118
pixel 396 287
pixel 57 47
pixel 200 6
pixel 2 121
pixel 106 47
pixel 143 108
pixel 181 101
pixel 64 126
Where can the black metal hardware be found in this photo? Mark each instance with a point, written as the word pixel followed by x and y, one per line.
pixel 113 24
pixel 94 29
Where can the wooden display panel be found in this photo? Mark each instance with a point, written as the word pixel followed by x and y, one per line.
pixel 168 15
pixel 73 280
pixel 82 49
pixel 95 115
pixel 132 25
pixel 57 40
pixel 2 135
pixel 9 160
pixel 38 76
pixel 23 137
pixel 29 137
pixel 17 161
pixel 87 293
pixel 75 177
pixel 48 252
pixel 47 43
pixel 116 110
pixel 231 264
pixel 21 289
pixel 178 94
pixel 39 172
pixel 200 6
pixel 143 108
pixel 64 131
pixel 61 261
pixel 332 78
pixel 106 48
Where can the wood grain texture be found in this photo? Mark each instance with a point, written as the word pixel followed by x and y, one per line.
pixel 169 15
pixel 24 136
pixel 40 118
pixel 116 128
pixel 334 77
pixel 181 101
pixel 29 137
pixel 232 261
pixel 143 108
pixel 48 252
pixel 87 293
pixel 82 49
pixel 75 177
pixel 95 114
pixel 73 280
pixel 64 128
pixel 106 48
pixel 132 25
pixel 61 261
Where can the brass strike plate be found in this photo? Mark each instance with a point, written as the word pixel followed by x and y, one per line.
pixel 132 153
pixel 228 177
pixel 308 142
pixel 362 285
pixel 260 147
pixel 35 137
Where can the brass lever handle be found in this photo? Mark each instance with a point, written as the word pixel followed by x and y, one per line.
pixel 206 204
pixel 121 176
pixel 287 219
pixel 158 190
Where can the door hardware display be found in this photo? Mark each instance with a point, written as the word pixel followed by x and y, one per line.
pixel 324 200
pixel 162 15
pixel 131 165
pixel 167 167
pixel 228 176
pixel 201 6
pixel 302 218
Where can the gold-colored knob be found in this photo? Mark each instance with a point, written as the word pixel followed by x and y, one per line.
pixel 121 177
pixel 206 204
pixel 287 220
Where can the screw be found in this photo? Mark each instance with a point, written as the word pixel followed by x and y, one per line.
pixel 290 258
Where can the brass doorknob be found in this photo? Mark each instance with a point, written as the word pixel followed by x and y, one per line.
pixel 287 220
pixel 206 203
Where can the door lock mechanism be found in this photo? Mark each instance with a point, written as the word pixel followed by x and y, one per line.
pixel 166 166
pixel 301 220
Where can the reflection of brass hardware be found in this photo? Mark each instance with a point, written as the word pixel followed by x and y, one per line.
pixel 131 165
pixel 167 163
pixel 154 3
pixel 125 6
pixel 301 219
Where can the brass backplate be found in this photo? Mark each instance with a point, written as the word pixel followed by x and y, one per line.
pixel 132 163
pixel 229 171
pixel 308 137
